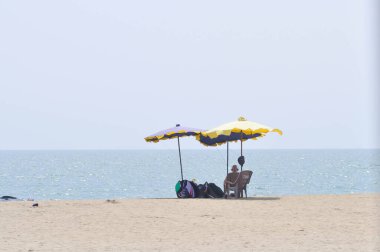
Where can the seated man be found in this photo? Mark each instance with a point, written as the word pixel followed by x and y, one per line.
pixel 231 178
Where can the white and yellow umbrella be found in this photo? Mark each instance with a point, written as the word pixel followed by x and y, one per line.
pixel 240 130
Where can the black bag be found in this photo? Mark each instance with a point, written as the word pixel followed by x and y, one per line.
pixel 241 161
pixel 203 190
pixel 214 191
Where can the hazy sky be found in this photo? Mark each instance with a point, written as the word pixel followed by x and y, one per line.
pixel 105 74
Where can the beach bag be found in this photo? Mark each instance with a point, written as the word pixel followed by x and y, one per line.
pixel 186 189
pixel 202 188
pixel 214 191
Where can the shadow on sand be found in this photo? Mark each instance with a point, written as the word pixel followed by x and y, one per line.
pixel 249 198
pixel 261 198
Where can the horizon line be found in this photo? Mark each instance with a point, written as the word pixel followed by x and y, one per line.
pixel 149 149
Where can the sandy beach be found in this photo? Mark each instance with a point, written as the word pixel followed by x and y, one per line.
pixel 293 223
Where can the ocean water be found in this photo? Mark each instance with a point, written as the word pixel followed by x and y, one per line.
pixel 153 173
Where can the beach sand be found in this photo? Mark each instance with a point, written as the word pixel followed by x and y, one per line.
pixel 292 223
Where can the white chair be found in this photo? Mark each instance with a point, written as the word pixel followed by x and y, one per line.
pixel 240 185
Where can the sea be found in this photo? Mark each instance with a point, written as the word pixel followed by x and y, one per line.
pixel 123 174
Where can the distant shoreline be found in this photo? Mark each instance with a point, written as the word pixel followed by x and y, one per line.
pixel 199 149
pixel 254 197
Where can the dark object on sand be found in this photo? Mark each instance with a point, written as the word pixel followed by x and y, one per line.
pixel 8 198
pixel 186 189
pixel 210 190
pixel 214 191
pixel 35 205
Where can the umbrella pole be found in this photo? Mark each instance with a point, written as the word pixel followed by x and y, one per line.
pixel 241 167
pixel 180 160
pixel 241 151
pixel 241 148
pixel 227 158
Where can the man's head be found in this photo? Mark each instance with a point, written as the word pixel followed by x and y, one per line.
pixel 234 168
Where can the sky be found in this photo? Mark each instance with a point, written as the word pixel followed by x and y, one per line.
pixel 105 74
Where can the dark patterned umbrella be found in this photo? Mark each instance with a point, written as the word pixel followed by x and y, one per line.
pixel 175 132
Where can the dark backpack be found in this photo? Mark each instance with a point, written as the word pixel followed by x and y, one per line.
pixel 202 188
pixel 214 191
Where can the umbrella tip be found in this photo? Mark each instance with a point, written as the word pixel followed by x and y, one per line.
pixel 177 125
pixel 242 119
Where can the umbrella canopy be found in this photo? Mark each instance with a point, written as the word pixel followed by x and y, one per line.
pixel 175 132
pixel 234 131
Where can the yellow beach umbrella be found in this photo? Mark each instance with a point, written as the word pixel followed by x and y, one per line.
pixel 240 130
